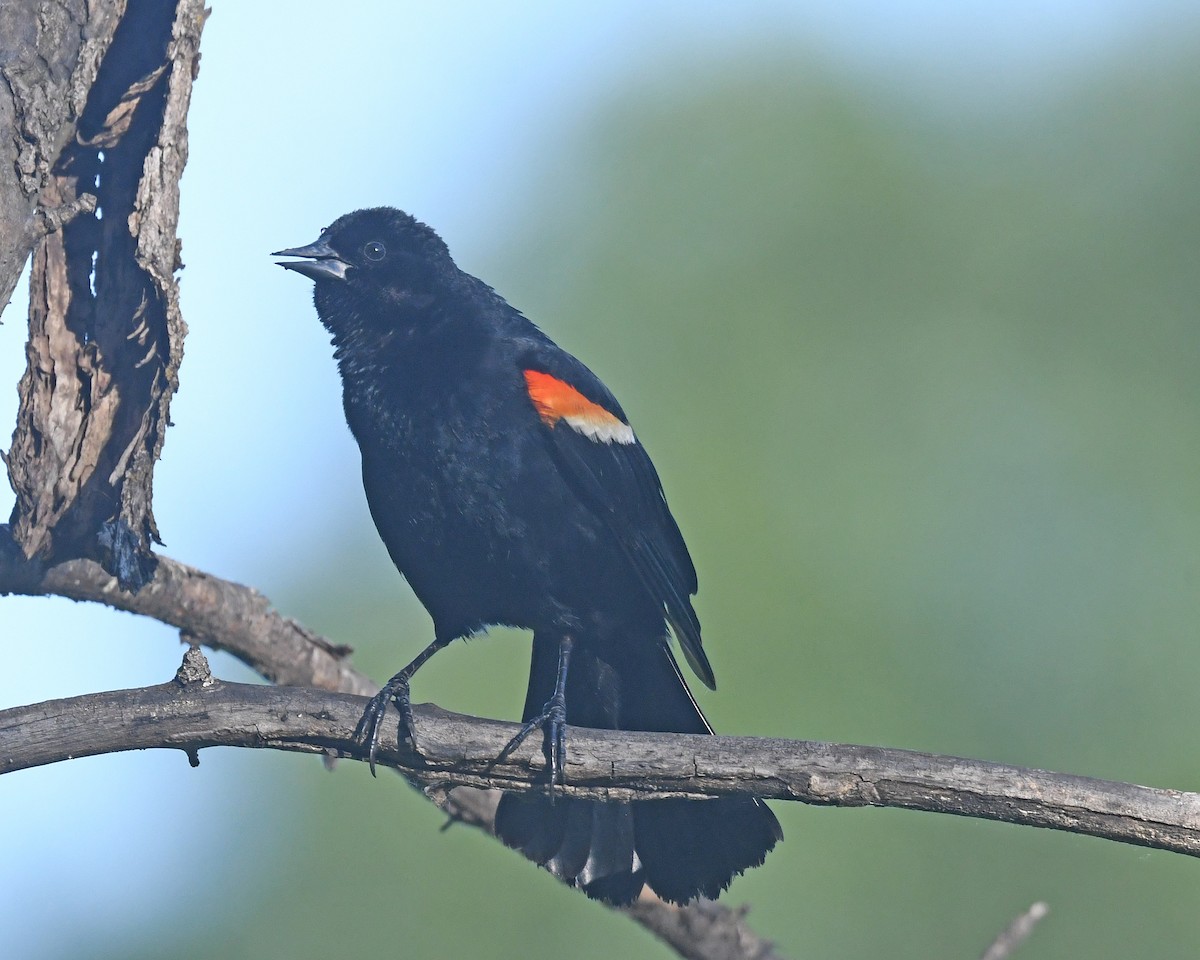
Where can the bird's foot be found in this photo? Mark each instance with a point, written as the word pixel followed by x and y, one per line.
pixel 367 732
pixel 552 719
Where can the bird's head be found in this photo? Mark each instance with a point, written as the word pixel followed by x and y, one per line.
pixel 373 260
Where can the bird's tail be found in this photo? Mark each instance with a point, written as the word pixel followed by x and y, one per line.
pixel 680 848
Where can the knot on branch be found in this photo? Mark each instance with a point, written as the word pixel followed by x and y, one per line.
pixel 194 669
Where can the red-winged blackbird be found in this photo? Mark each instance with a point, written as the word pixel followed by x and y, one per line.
pixel 509 488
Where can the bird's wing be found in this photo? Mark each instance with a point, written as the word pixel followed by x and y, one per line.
pixel 601 457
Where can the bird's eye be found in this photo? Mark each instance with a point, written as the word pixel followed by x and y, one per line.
pixel 374 250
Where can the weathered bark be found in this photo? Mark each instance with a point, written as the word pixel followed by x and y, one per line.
pixel 197 711
pixel 105 331
pixel 50 53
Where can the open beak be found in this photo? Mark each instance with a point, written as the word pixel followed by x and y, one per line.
pixel 321 262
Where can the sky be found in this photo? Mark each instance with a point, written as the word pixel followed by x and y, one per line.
pixel 447 110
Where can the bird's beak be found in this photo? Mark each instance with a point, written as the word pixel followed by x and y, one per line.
pixel 323 263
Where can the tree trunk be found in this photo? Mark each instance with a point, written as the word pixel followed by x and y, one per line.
pixel 98 96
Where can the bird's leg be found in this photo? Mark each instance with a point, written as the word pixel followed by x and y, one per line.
pixel 394 691
pixel 553 719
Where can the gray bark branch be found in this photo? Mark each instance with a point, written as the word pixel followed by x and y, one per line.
pixel 457 751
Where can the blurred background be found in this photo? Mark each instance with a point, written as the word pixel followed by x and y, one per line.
pixel 902 299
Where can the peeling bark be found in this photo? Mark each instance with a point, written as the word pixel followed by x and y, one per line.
pixel 50 54
pixel 106 333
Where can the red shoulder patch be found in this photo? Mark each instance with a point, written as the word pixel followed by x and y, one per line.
pixel 556 400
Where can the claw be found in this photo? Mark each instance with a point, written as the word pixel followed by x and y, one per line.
pixel 553 719
pixel 394 691
pixel 367 732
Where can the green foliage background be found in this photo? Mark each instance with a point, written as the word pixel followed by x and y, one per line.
pixel 922 386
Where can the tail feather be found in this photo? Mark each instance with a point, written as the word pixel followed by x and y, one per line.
pixel 697 847
pixel 680 848
pixel 611 847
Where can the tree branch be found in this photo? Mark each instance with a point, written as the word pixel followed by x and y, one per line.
pixel 217 613
pixel 456 751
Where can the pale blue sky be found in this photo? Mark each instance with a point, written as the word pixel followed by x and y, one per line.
pixel 445 110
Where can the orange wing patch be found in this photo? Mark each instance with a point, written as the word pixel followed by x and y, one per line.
pixel 557 401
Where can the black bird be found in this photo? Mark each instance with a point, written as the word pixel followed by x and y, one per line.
pixel 509 488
